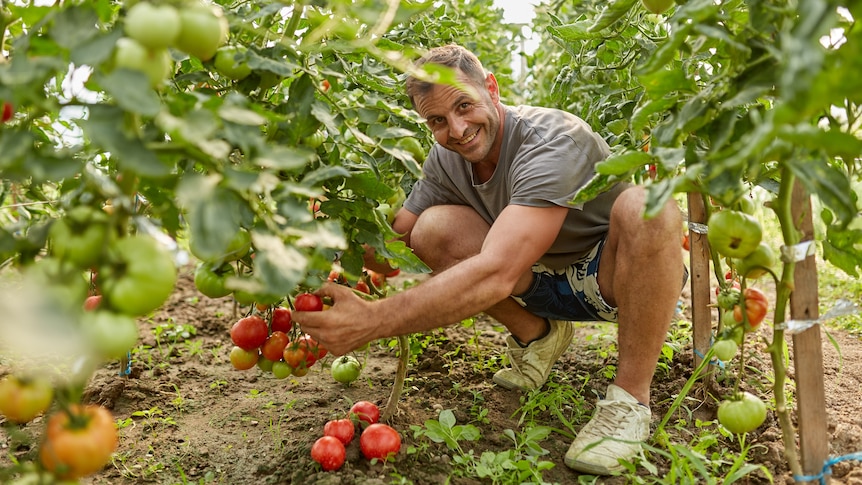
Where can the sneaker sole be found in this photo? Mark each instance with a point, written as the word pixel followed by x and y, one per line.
pixel 589 468
pixel 508 385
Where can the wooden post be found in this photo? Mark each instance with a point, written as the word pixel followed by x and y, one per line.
pixel 807 350
pixel 699 258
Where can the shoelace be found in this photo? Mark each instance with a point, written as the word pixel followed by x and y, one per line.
pixel 612 416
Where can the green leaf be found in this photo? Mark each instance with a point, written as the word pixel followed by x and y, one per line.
pixel 284 158
pixel 279 266
pixel 74 26
pixel 131 90
pixel 570 33
pixel 829 184
pixel 611 13
pixel 104 128
pixel 623 163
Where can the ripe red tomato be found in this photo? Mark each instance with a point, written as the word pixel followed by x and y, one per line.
pixel 363 287
pixel 242 359
pixel 395 272
pixel 343 429
pixel 8 111
pixel 92 302
pixel 324 85
pixel 379 441
pixel 377 279
pixel 307 302
pixel 742 414
pixel 756 307
pixel 273 347
pixel 281 321
pixel 80 442
pixel 329 452
pixel 249 332
pixel 24 398
pixel 365 411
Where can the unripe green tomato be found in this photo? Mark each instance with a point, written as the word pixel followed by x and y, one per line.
pixel 724 349
pixel 657 6
pixel 227 64
pixel 757 263
pixel 743 414
pixel 203 29
pixel 157 64
pixel 111 335
pixel 153 26
pixel 345 369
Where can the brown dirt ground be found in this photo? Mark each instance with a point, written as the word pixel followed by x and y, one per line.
pixel 193 418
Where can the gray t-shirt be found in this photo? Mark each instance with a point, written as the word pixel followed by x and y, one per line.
pixel 546 156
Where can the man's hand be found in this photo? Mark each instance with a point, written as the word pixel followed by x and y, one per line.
pixel 347 325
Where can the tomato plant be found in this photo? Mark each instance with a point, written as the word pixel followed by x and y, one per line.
pixel 342 429
pixel 742 413
pixel 24 398
pixel 211 281
pixel 365 411
pixel 79 442
pixel 329 452
pixel 734 234
pixel 379 441
pixel 81 236
pixel 228 62
pixel 345 369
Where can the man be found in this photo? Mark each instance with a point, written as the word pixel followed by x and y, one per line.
pixel 492 219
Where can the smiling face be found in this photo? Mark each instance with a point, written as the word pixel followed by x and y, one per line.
pixel 468 123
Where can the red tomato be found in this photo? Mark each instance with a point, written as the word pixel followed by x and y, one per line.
pixel 24 398
pixel 307 302
pixel 249 332
pixel 756 307
pixel 377 279
pixel 363 287
pixel 379 441
pixel 395 272
pixel 686 245
pixel 80 442
pixel 281 321
pixel 324 85
pixel 342 429
pixel 8 111
pixel 273 347
pixel 329 452
pixel 315 350
pixel 92 302
pixel 365 411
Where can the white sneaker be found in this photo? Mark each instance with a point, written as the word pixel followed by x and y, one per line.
pixel 615 432
pixel 531 365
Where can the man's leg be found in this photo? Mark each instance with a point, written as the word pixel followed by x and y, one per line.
pixel 446 235
pixel 640 272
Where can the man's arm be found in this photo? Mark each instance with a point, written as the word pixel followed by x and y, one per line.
pixel 516 240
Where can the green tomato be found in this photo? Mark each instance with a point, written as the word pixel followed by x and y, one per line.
pixel 315 139
pixel 211 281
pixel 140 277
pixel 111 335
pixel 227 64
pixel 81 236
pixel 345 369
pixel 733 234
pixel 757 263
pixel 742 414
pixel 155 64
pixel 153 26
pixel 725 349
pixel 412 146
pixel 280 369
pixel 237 248
pixel 203 30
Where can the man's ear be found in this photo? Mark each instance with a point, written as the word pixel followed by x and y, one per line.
pixel 492 87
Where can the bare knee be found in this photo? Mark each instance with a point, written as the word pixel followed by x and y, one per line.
pixel 446 234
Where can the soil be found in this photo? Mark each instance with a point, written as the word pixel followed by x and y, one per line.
pixel 190 417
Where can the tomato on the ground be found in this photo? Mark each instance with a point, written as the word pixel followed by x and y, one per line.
pixel 343 429
pixel 365 411
pixel 329 452
pixel 379 441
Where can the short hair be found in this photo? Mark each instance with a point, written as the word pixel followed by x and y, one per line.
pixel 452 56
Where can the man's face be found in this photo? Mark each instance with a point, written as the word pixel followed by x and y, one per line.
pixel 466 123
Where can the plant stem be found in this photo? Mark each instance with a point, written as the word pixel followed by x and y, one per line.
pixel 400 375
pixel 783 290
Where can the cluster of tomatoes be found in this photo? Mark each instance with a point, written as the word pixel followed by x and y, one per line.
pixel 151 29
pixel 737 235
pixel 78 439
pixel 273 343
pixel 377 441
